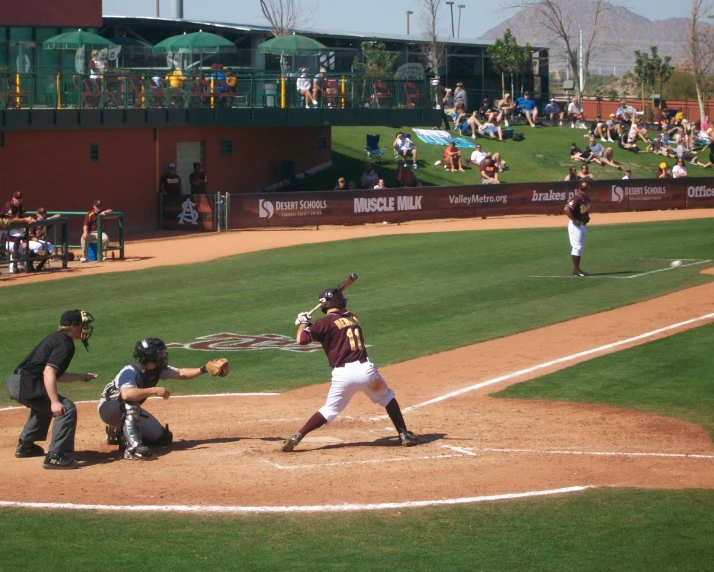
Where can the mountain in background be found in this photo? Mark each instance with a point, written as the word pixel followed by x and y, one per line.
pixel 619 27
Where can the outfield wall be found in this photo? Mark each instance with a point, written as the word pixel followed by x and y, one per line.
pixel 400 205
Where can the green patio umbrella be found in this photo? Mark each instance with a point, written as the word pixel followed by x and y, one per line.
pixel 292 45
pixel 195 43
pixel 75 40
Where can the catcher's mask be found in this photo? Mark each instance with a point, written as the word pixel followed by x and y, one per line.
pixel 79 318
pixel 332 298
pixel 151 350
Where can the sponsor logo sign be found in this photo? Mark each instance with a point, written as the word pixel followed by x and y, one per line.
pixel 268 209
pixel 551 196
pixel 644 193
pixel 189 214
pixel 700 192
pixel 387 204
pixel 478 199
pixel 228 342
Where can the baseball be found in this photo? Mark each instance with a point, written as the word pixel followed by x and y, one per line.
pixel 676 263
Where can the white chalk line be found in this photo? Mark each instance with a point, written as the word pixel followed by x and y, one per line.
pixel 347 507
pixel 267 394
pixel 545 365
pixel 461 450
pixel 633 275
pixel 593 453
pixel 364 462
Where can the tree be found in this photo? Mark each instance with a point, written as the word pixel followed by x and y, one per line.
pixel 283 16
pixel 699 47
pixel 433 49
pixel 507 57
pixel 376 59
pixel 549 15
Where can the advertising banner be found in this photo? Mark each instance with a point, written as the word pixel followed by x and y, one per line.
pixel 399 205
pixel 192 213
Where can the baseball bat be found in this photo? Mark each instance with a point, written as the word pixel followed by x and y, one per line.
pixel 340 287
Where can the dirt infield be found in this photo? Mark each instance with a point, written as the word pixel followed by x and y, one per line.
pixel 228 448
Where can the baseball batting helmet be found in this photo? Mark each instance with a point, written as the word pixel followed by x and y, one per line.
pixel 151 350
pixel 332 298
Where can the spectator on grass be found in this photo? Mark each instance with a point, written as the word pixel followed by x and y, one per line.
pixel 663 172
pixel 528 108
pixel 572 174
pixel 460 97
pixel 404 147
pixel 444 100
pixel 90 228
pixel 611 130
pixel 711 155
pixel 553 111
pixel 452 158
pixel 341 184
pixel 576 113
pixel 577 154
pixel 685 154
pixel 474 124
pixel 488 129
pixel 489 172
pixel 657 147
pixel 600 154
pixel 380 185
pixel 506 107
pixel 628 174
pixel 623 142
pixel 405 177
pixel 198 180
pixel 488 111
pixel 478 155
pixel 625 113
pixel 369 178
pixel 679 171
pixel 638 129
pixel 584 174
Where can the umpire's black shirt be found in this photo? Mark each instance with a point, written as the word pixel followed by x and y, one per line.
pixel 55 350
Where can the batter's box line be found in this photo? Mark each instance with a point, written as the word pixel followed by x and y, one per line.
pixel 365 462
pixel 632 275
pixel 593 453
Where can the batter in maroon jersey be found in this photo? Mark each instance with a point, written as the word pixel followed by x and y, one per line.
pixel 341 337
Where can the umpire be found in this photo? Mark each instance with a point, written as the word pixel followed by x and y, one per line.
pixel 34 385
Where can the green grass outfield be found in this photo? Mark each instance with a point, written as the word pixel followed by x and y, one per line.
pixel 417 294
pixel 544 155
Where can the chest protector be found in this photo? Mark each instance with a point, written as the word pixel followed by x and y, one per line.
pixel 145 378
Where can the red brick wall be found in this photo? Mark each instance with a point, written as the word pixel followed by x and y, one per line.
pixel 53 168
pixel 64 13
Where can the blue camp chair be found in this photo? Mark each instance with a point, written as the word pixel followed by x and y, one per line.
pixel 372 147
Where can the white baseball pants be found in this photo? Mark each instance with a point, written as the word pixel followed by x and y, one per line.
pixel 577 234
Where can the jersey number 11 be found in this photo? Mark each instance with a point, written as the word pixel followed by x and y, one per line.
pixel 355 338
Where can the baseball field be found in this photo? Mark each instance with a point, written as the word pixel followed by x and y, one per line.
pixel 566 423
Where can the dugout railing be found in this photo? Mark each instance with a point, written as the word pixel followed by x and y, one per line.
pixel 60 232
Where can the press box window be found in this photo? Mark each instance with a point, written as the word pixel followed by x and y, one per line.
pixel 226 147
pixel 321 143
pixel 94 152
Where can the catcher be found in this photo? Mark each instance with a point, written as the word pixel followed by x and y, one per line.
pixel 129 425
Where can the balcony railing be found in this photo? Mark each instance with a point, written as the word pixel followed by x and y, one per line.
pixel 159 89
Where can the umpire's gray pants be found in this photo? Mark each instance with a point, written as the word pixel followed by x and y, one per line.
pixel 38 422
pixel 110 412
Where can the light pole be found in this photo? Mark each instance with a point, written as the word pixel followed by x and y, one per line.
pixel 458 35
pixel 409 13
pixel 451 5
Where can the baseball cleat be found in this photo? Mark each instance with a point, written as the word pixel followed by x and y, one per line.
pixel 291 442
pixel 580 273
pixel 59 461
pixel 140 453
pixel 408 439
pixel 25 450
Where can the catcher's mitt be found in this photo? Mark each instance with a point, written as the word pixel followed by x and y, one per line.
pixel 218 367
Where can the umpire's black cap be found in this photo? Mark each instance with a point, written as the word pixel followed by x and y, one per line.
pixel 71 318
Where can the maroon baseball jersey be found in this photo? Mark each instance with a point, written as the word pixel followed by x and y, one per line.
pixel 90 221
pixel 11 211
pixel 341 337
pixel 580 207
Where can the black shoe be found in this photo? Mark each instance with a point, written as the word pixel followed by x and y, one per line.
pixel 59 461
pixel 112 435
pixel 408 439
pixel 25 450
pixel 580 273
pixel 140 453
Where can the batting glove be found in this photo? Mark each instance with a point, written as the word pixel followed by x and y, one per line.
pixel 303 318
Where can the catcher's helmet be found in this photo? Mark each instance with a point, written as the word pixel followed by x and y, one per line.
pixel 332 298
pixel 151 350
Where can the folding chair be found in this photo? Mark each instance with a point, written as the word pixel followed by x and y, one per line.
pixel 412 93
pixel 372 147
pixel 382 93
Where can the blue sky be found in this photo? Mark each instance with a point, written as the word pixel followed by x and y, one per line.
pixel 378 16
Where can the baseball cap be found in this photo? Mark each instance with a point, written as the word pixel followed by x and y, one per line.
pixel 583 186
pixel 172 165
pixel 552 99
pixel 628 170
pixel 71 318
pixel 41 211
pixel 663 165
pixel 97 203
pixel 17 195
